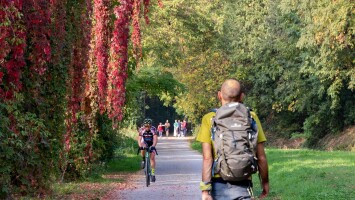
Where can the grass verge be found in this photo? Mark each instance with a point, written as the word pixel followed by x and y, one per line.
pixel 106 178
pixel 307 174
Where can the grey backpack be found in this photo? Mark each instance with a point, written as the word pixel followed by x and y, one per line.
pixel 234 133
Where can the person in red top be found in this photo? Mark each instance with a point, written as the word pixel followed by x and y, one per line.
pixel 183 128
pixel 160 129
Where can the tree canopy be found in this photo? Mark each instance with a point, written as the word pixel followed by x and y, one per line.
pixel 295 57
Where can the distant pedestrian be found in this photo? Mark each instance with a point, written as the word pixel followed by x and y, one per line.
pixel 160 129
pixel 167 126
pixel 176 126
pixel 183 128
pixel 179 128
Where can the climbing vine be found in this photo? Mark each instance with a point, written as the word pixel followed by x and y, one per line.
pixel 100 34
pixel 12 48
pixel 37 16
pixel 63 72
pixel 117 69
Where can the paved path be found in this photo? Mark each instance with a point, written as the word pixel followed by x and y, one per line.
pixel 178 173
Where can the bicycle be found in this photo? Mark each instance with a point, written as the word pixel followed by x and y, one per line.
pixel 147 168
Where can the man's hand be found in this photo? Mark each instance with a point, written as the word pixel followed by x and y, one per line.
pixel 263 169
pixel 152 148
pixel 206 195
pixel 265 190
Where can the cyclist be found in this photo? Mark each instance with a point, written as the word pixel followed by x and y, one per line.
pixel 148 138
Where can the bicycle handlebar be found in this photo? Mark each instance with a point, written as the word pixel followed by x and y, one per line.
pixel 146 148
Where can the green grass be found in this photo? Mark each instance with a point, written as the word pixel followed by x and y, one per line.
pixel 196 146
pixel 308 174
pixel 126 158
pixel 97 184
pixel 67 188
pixel 129 163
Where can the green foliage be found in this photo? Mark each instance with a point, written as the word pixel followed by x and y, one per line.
pixel 125 155
pixel 285 124
pixel 296 60
pixel 143 87
pixel 26 150
pixel 196 146
pixel 154 81
pixel 125 160
pixel 107 139
pixel 184 39
pixel 202 80
pixel 105 144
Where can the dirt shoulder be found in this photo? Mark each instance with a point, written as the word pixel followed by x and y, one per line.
pixel 344 141
pixel 94 190
pixel 341 141
pixel 128 183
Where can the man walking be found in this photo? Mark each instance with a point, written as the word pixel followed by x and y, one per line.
pixel 214 187
pixel 167 126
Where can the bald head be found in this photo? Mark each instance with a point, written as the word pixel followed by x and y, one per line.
pixel 231 90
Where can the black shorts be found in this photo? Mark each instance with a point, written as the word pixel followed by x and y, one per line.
pixel 149 143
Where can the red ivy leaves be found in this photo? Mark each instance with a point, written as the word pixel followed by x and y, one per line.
pixel 160 3
pixel 146 10
pixel 12 45
pixel 5 16
pixel 100 49
pixel 38 19
pixel 117 68
pixel 58 29
pixel 136 34
pixel 75 97
pixel 77 71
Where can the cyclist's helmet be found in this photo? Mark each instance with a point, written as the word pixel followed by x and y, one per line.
pixel 147 122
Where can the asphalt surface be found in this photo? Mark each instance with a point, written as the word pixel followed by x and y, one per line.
pixel 178 173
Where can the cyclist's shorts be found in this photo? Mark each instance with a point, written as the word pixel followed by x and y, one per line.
pixel 149 143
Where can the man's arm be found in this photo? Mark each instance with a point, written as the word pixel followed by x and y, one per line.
pixel 263 169
pixel 139 139
pixel 207 163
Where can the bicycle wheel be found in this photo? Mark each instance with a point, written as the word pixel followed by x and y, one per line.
pixel 147 170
